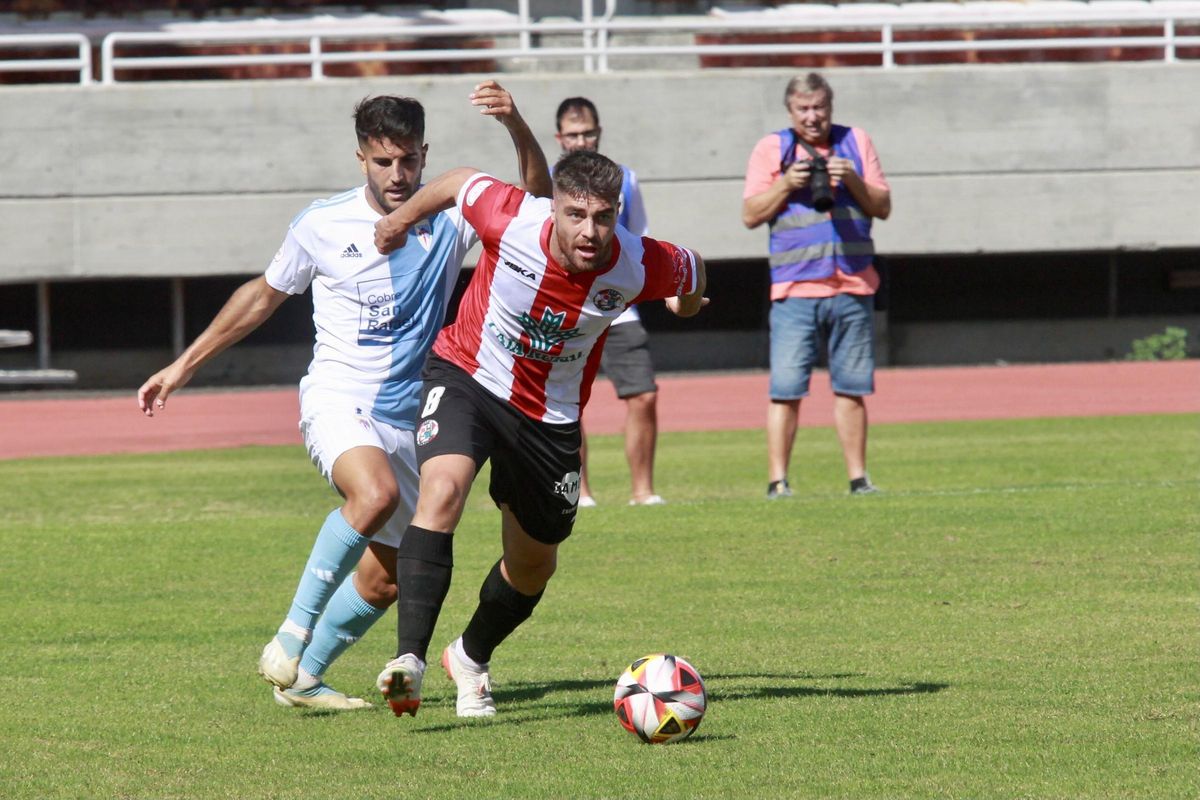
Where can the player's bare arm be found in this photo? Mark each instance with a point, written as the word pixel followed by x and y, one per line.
pixel 493 100
pixel 690 304
pixel 247 308
pixel 439 194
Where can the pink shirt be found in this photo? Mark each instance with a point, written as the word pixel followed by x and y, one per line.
pixel 763 170
pixel 527 330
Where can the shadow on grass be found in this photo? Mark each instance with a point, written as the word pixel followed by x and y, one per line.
pixel 520 703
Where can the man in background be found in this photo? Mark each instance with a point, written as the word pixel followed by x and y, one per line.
pixel 626 360
pixel 819 185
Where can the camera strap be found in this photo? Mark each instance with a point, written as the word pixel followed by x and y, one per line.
pixel 789 157
pixel 807 147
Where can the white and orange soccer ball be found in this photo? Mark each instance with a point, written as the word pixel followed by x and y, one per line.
pixel 660 699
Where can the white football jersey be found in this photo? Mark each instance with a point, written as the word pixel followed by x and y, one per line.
pixel 527 329
pixel 376 316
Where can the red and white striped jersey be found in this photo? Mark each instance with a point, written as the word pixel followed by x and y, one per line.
pixel 527 330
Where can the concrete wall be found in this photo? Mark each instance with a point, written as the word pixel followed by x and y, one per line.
pixel 202 178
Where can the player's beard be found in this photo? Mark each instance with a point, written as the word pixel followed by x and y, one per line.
pixel 388 204
pixel 574 261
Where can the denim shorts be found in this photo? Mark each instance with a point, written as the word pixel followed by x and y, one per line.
pixel 800 324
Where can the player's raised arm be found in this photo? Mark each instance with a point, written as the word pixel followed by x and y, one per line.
pixel 247 308
pixel 494 100
pixel 439 194
pixel 690 304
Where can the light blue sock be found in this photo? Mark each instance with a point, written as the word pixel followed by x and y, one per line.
pixel 334 554
pixel 346 619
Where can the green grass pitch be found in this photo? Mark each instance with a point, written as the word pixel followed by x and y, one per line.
pixel 1015 617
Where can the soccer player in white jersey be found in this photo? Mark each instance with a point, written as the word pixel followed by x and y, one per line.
pixel 507 381
pixel 376 317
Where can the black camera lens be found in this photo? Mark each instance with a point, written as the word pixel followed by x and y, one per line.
pixel 822 192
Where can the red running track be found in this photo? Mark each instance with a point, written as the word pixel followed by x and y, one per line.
pixel 196 419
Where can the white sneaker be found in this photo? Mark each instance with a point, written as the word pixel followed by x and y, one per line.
pixel 321 696
pixel 400 684
pixel 587 501
pixel 280 659
pixel 474 686
pixel 652 500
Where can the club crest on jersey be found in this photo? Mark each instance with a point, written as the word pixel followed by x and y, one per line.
pixel 424 235
pixel 427 432
pixel 608 299
pixel 568 487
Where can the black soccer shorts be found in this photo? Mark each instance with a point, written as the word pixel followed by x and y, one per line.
pixel 535 465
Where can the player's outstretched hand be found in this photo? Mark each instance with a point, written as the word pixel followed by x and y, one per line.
pixel 154 392
pixel 676 307
pixel 390 234
pixel 493 100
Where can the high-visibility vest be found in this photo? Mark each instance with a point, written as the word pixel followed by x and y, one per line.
pixel 807 244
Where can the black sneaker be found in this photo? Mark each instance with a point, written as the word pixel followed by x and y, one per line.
pixel 778 489
pixel 863 485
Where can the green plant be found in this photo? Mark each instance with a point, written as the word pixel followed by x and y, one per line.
pixel 1170 345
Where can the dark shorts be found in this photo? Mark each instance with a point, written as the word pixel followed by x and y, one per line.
pixel 626 360
pixel 535 466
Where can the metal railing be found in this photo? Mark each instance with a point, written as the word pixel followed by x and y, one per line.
pixel 81 62
pixel 888 30
pixel 43 374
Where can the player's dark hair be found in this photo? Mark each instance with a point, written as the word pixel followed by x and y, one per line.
pixel 575 105
pixel 583 172
pixel 389 117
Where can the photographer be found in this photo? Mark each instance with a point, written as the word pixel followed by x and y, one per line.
pixel 819 185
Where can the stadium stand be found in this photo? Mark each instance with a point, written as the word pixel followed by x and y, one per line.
pixel 232 42
pixel 1037 213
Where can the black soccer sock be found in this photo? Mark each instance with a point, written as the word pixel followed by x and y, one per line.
pixel 424 563
pixel 501 609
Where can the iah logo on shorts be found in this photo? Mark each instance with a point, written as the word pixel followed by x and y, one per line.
pixel 608 299
pixel 427 432
pixel 568 487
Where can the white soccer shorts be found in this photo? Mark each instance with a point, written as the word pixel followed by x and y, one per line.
pixel 335 426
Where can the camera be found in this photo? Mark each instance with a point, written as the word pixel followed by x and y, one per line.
pixel 822 193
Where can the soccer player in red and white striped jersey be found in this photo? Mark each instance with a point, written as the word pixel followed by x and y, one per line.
pixel 507 382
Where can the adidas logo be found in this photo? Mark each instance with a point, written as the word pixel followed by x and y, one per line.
pixel 351 252
pixel 323 575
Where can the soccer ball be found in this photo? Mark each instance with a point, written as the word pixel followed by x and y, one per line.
pixel 660 699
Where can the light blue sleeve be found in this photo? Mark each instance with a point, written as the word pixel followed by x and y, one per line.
pixel 637 221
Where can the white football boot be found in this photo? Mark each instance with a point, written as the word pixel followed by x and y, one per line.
pixel 400 684
pixel 321 696
pixel 280 659
pixel 474 685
